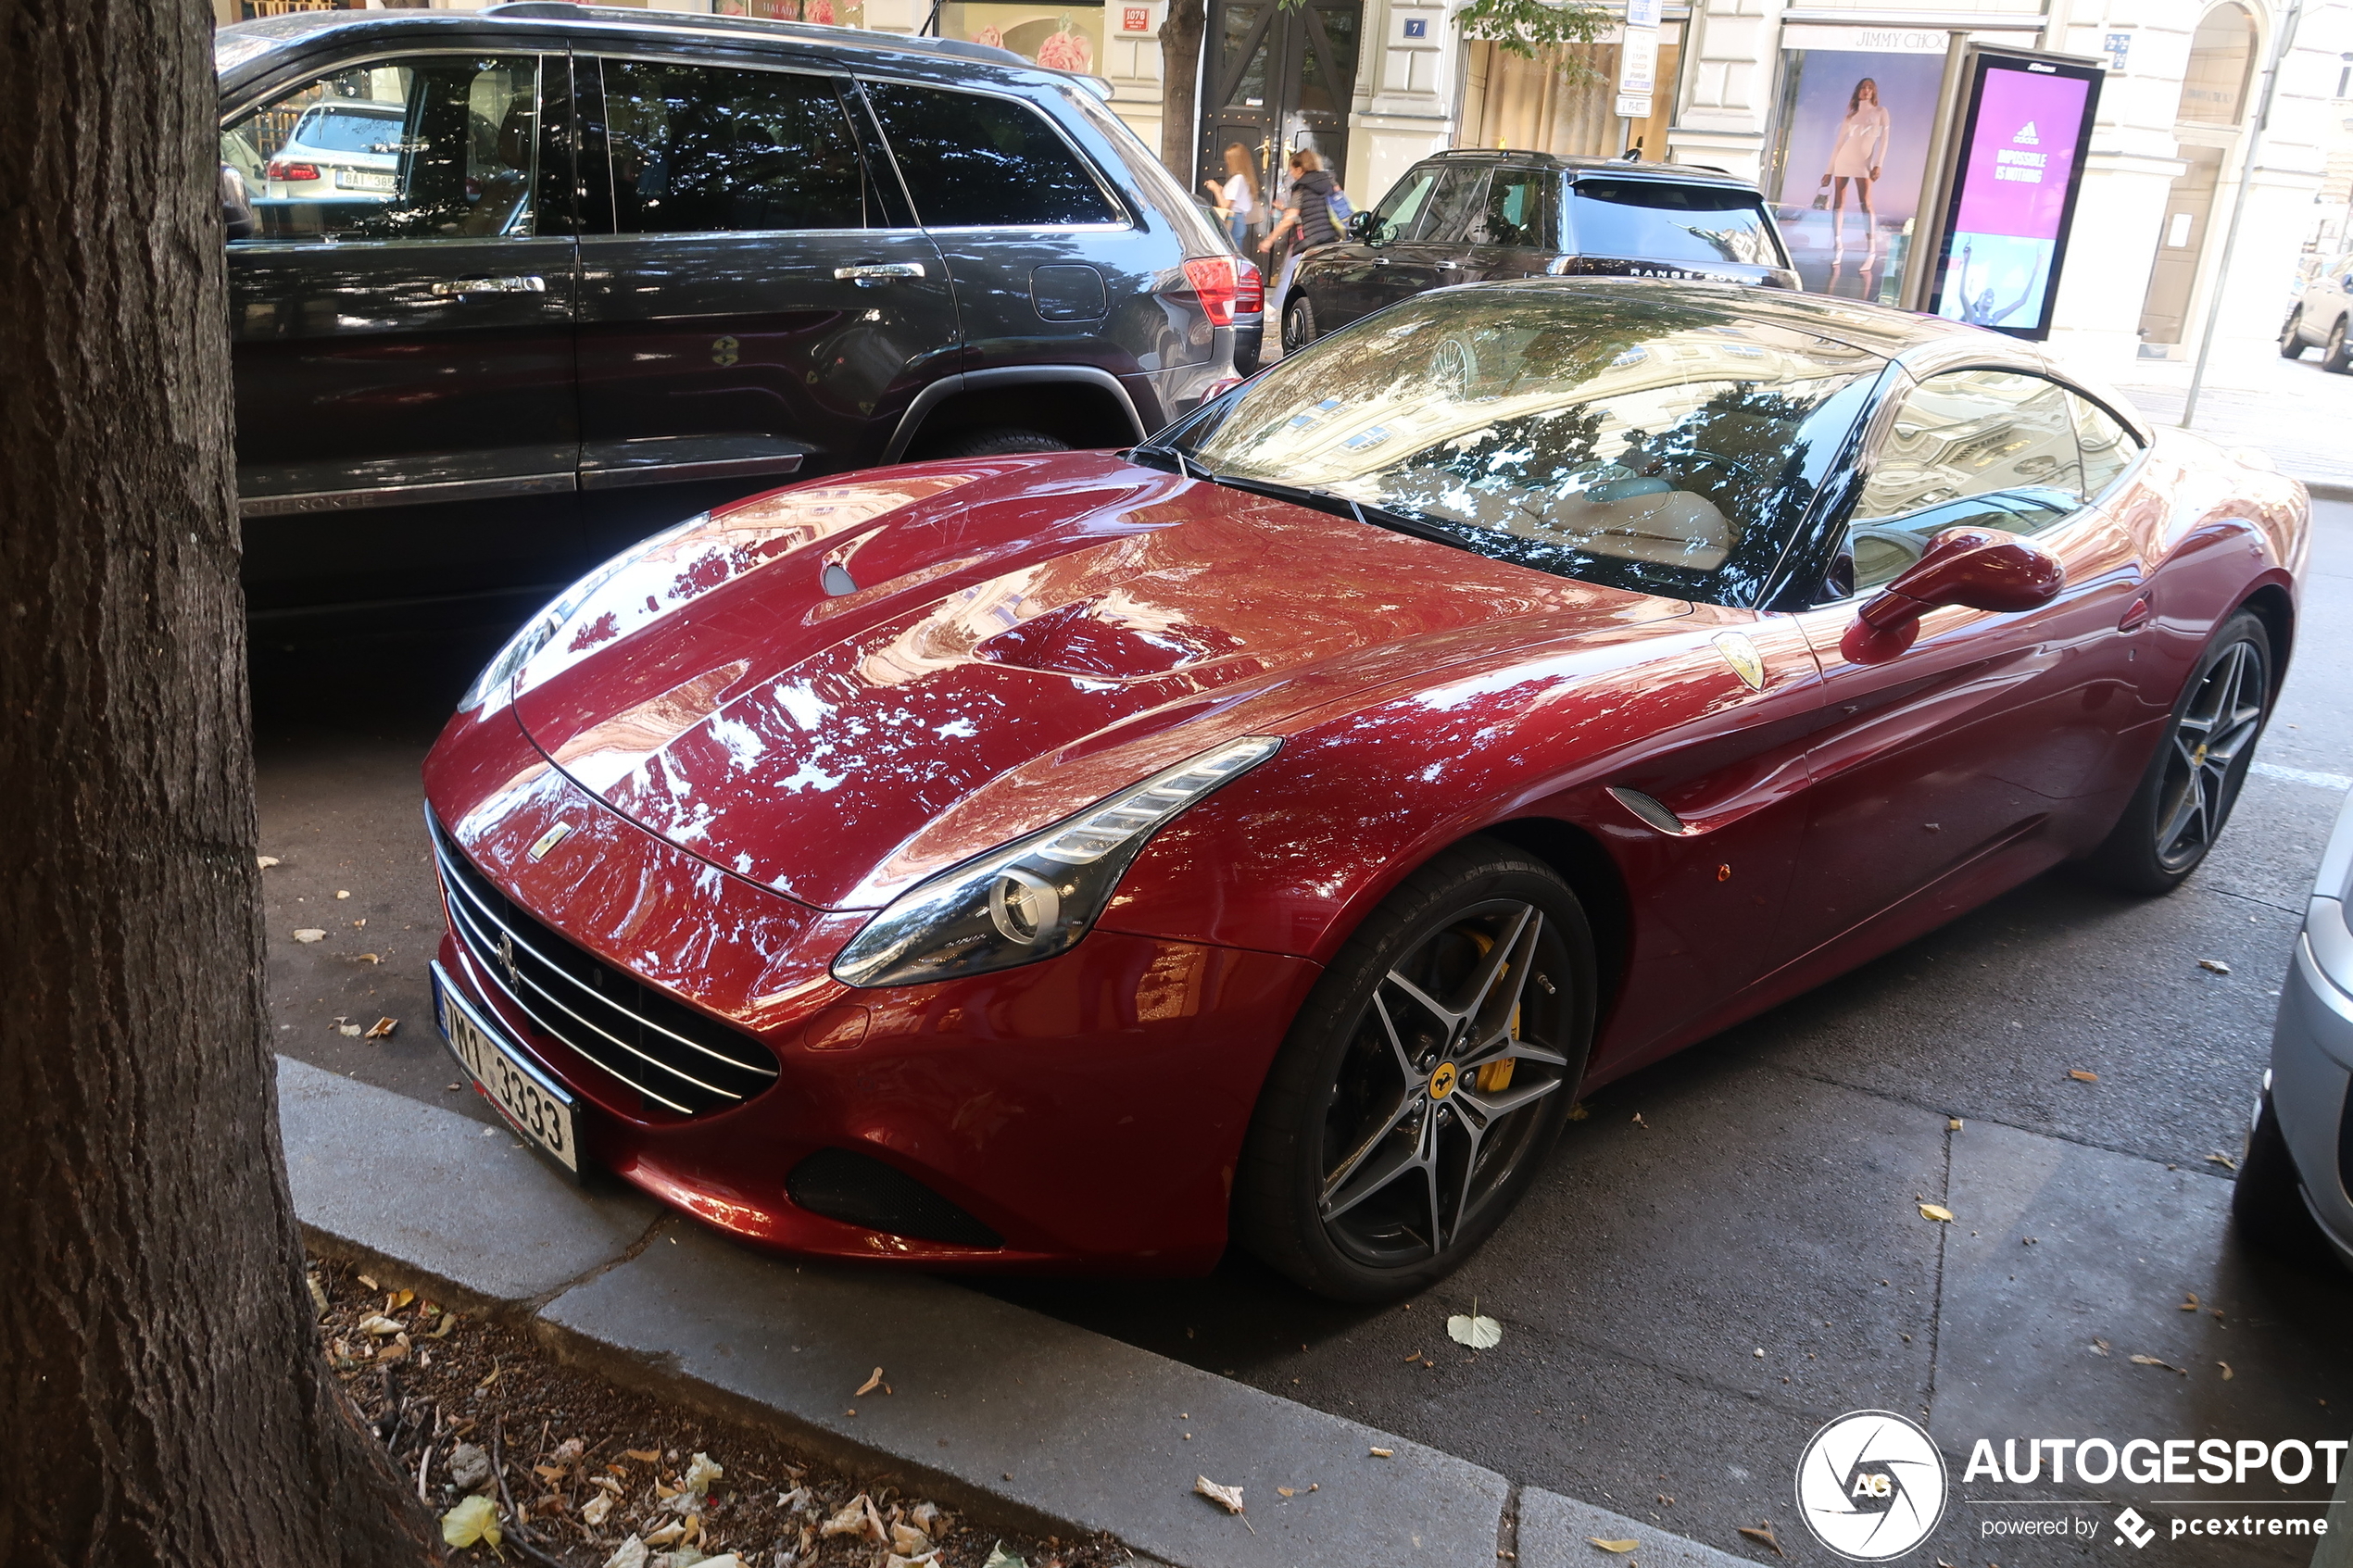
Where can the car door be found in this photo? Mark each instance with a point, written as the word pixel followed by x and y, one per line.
pixel 756 300
pixel 1981 737
pixel 1514 233
pixel 1433 256
pixel 402 332
pixel 1036 243
pixel 1347 281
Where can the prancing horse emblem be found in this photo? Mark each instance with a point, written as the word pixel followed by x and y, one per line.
pixel 507 957
pixel 1741 655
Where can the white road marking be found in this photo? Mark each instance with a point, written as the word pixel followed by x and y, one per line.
pixel 2303 776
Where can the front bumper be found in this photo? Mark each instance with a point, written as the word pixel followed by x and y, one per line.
pixel 1087 1110
pixel 2312 1072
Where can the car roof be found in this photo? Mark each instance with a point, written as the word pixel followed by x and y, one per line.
pixel 1616 167
pixel 244 50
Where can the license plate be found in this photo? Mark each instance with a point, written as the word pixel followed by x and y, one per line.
pixel 360 180
pixel 534 1107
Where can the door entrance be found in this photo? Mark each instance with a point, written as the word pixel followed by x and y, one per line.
pixel 2188 206
pixel 1277 79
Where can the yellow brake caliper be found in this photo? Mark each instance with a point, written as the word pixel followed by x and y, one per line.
pixel 1495 1077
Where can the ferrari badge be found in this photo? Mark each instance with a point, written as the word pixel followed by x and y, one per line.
pixel 1741 655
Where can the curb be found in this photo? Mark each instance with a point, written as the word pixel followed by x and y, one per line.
pixel 2328 489
pixel 1039 1423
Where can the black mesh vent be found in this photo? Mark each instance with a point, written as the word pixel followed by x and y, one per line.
pixel 858 1189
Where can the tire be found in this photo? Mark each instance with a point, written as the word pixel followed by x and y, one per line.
pixel 2185 796
pixel 2291 335
pixel 1381 1093
pixel 1299 323
pixel 2333 353
pixel 993 443
pixel 2267 1203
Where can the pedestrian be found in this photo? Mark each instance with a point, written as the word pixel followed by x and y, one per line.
pixel 1306 221
pixel 1236 195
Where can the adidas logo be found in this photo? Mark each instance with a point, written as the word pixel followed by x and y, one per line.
pixel 2026 137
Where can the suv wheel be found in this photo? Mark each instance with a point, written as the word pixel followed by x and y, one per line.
pixel 2291 335
pixel 993 443
pixel 1299 324
pixel 2333 356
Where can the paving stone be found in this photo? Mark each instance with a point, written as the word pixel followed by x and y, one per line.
pixel 1555 1531
pixel 382 1175
pixel 1031 1413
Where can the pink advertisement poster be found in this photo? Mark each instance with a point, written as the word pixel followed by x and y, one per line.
pixel 2014 176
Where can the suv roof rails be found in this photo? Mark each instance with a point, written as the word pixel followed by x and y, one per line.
pixel 566 10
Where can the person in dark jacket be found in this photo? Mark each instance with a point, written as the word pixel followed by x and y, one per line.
pixel 1306 222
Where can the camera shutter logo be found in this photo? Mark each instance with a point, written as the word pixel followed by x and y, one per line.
pixel 2131 1527
pixel 1870 1485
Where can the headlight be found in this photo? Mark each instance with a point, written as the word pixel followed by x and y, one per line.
pixel 1037 895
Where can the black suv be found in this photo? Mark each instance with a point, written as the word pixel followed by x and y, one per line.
pixel 512 287
pixel 1469 216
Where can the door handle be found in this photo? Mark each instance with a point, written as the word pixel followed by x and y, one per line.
pixel 2135 614
pixel 868 275
pixel 458 287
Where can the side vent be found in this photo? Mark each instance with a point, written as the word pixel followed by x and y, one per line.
pixel 1650 810
pixel 860 1190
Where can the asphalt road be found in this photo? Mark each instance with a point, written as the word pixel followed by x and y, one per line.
pixel 1766 1200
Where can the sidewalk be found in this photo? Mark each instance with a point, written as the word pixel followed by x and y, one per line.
pixel 2292 409
pixel 991 1408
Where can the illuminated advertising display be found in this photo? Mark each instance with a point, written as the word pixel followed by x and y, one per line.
pixel 2020 162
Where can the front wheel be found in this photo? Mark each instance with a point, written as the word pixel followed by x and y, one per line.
pixel 2333 353
pixel 995 443
pixel 2192 782
pixel 2291 335
pixel 1424 1080
pixel 1299 323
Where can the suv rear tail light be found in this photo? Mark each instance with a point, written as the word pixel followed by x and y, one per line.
pixel 1229 286
pixel 279 168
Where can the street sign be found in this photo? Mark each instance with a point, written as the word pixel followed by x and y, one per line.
pixel 1637 62
pixel 1633 105
pixel 1642 13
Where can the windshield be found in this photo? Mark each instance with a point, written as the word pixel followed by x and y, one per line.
pixel 1651 220
pixel 340 130
pixel 1625 435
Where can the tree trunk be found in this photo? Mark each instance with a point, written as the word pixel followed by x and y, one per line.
pixel 166 1401
pixel 1180 37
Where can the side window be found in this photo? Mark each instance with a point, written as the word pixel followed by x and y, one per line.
pixel 703 149
pixel 973 162
pixel 1989 448
pixel 1515 211
pixel 2109 447
pixel 1403 207
pixel 446 147
pixel 1454 206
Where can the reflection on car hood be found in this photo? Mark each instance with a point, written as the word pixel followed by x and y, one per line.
pixel 838 689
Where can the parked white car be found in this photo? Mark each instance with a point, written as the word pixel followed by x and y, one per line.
pixel 343 149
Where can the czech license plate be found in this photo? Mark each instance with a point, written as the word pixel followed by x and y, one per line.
pixel 538 1108
pixel 360 180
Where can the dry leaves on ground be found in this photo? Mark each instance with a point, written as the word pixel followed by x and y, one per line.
pixel 2083 1077
pixel 2152 1360
pixel 1230 1497
pixel 1763 1531
pixel 1620 1547
pixel 1469 1328
pixel 2217 965
pixel 1936 1212
pixel 310 933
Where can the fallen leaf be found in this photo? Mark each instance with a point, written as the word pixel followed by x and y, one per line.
pixel 1384 1453
pixel 343 892
pixel 666 1535
pixel 908 1541
pixel 1639 1123
pixel 381 1029
pixel 630 1553
pixel 1936 1212
pixel 368 958
pixel 1230 1497
pixel 474 1519
pixel 1620 1547
pixel 2225 1160
pixel 644 1456
pixel 2083 1077
pixel 2099 1346
pixel 1285 1492
pixel 700 1474
pixel 593 1512
pixel 1479 1333
pixel 1952 1123
pixel 2189 1301
pixel 352 1030
pixel 2152 1360
pixel 317 1292
pixel 850 1521
pixel 378 1325
pixel 310 933
pixel 929 1559
pixel 1763 1531
pixel 366 1281
pixel 2217 965
pixel 2227 1374
pixel 265 861
pixel 869 1385
pixel 1000 1558
pixel 1415 1357
pixel 1578 1112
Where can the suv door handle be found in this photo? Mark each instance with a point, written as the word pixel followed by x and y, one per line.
pixel 874 272
pixel 458 287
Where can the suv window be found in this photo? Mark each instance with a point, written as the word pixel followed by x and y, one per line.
pixel 1403 207
pixel 1989 448
pixel 973 161
pixel 1516 212
pixel 1453 205
pixel 704 149
pixel 441 146
pixel 1653 221
pixel 2109 447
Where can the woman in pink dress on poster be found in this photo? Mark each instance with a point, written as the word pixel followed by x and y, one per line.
pixel 1856 154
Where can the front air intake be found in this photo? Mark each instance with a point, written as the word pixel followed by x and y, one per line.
pixel 860 1190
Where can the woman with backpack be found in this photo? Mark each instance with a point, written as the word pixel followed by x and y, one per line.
pixel 1310 213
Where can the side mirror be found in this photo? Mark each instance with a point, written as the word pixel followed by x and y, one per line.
pixel 237 216
pixel 1978 568
pixel 1363 227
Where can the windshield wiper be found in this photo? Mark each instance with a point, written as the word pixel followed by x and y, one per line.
pixel 1340 505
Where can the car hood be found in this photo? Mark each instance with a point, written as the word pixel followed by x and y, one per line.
pixel 836 689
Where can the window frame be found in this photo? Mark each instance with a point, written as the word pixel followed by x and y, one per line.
pixel 556 203
pixel 1112 197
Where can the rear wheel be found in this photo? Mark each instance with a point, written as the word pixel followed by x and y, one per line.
pixel 993 443
pixel 2267 1204
pixel 2291 335
pixel 1423 1081
pixel 1299 323
pixel 2333 353
pixel 2192 782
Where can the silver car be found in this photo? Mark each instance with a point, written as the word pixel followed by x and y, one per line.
pixel 2319 316
pixel 344 149
pixel 2291 1192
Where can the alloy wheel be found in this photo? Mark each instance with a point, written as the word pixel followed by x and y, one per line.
pixel 1439 1097
pixel 2210 746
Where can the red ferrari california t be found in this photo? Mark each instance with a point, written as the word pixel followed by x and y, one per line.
pixel 1077 861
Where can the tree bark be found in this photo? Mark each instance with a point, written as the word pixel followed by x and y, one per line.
pixel 166 1402
pixel 1180 41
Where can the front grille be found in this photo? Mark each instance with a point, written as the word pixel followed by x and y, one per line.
pixel 860 1190
pixel 679 1060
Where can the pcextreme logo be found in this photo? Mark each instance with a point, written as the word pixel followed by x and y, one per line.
pixel 1870 1485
